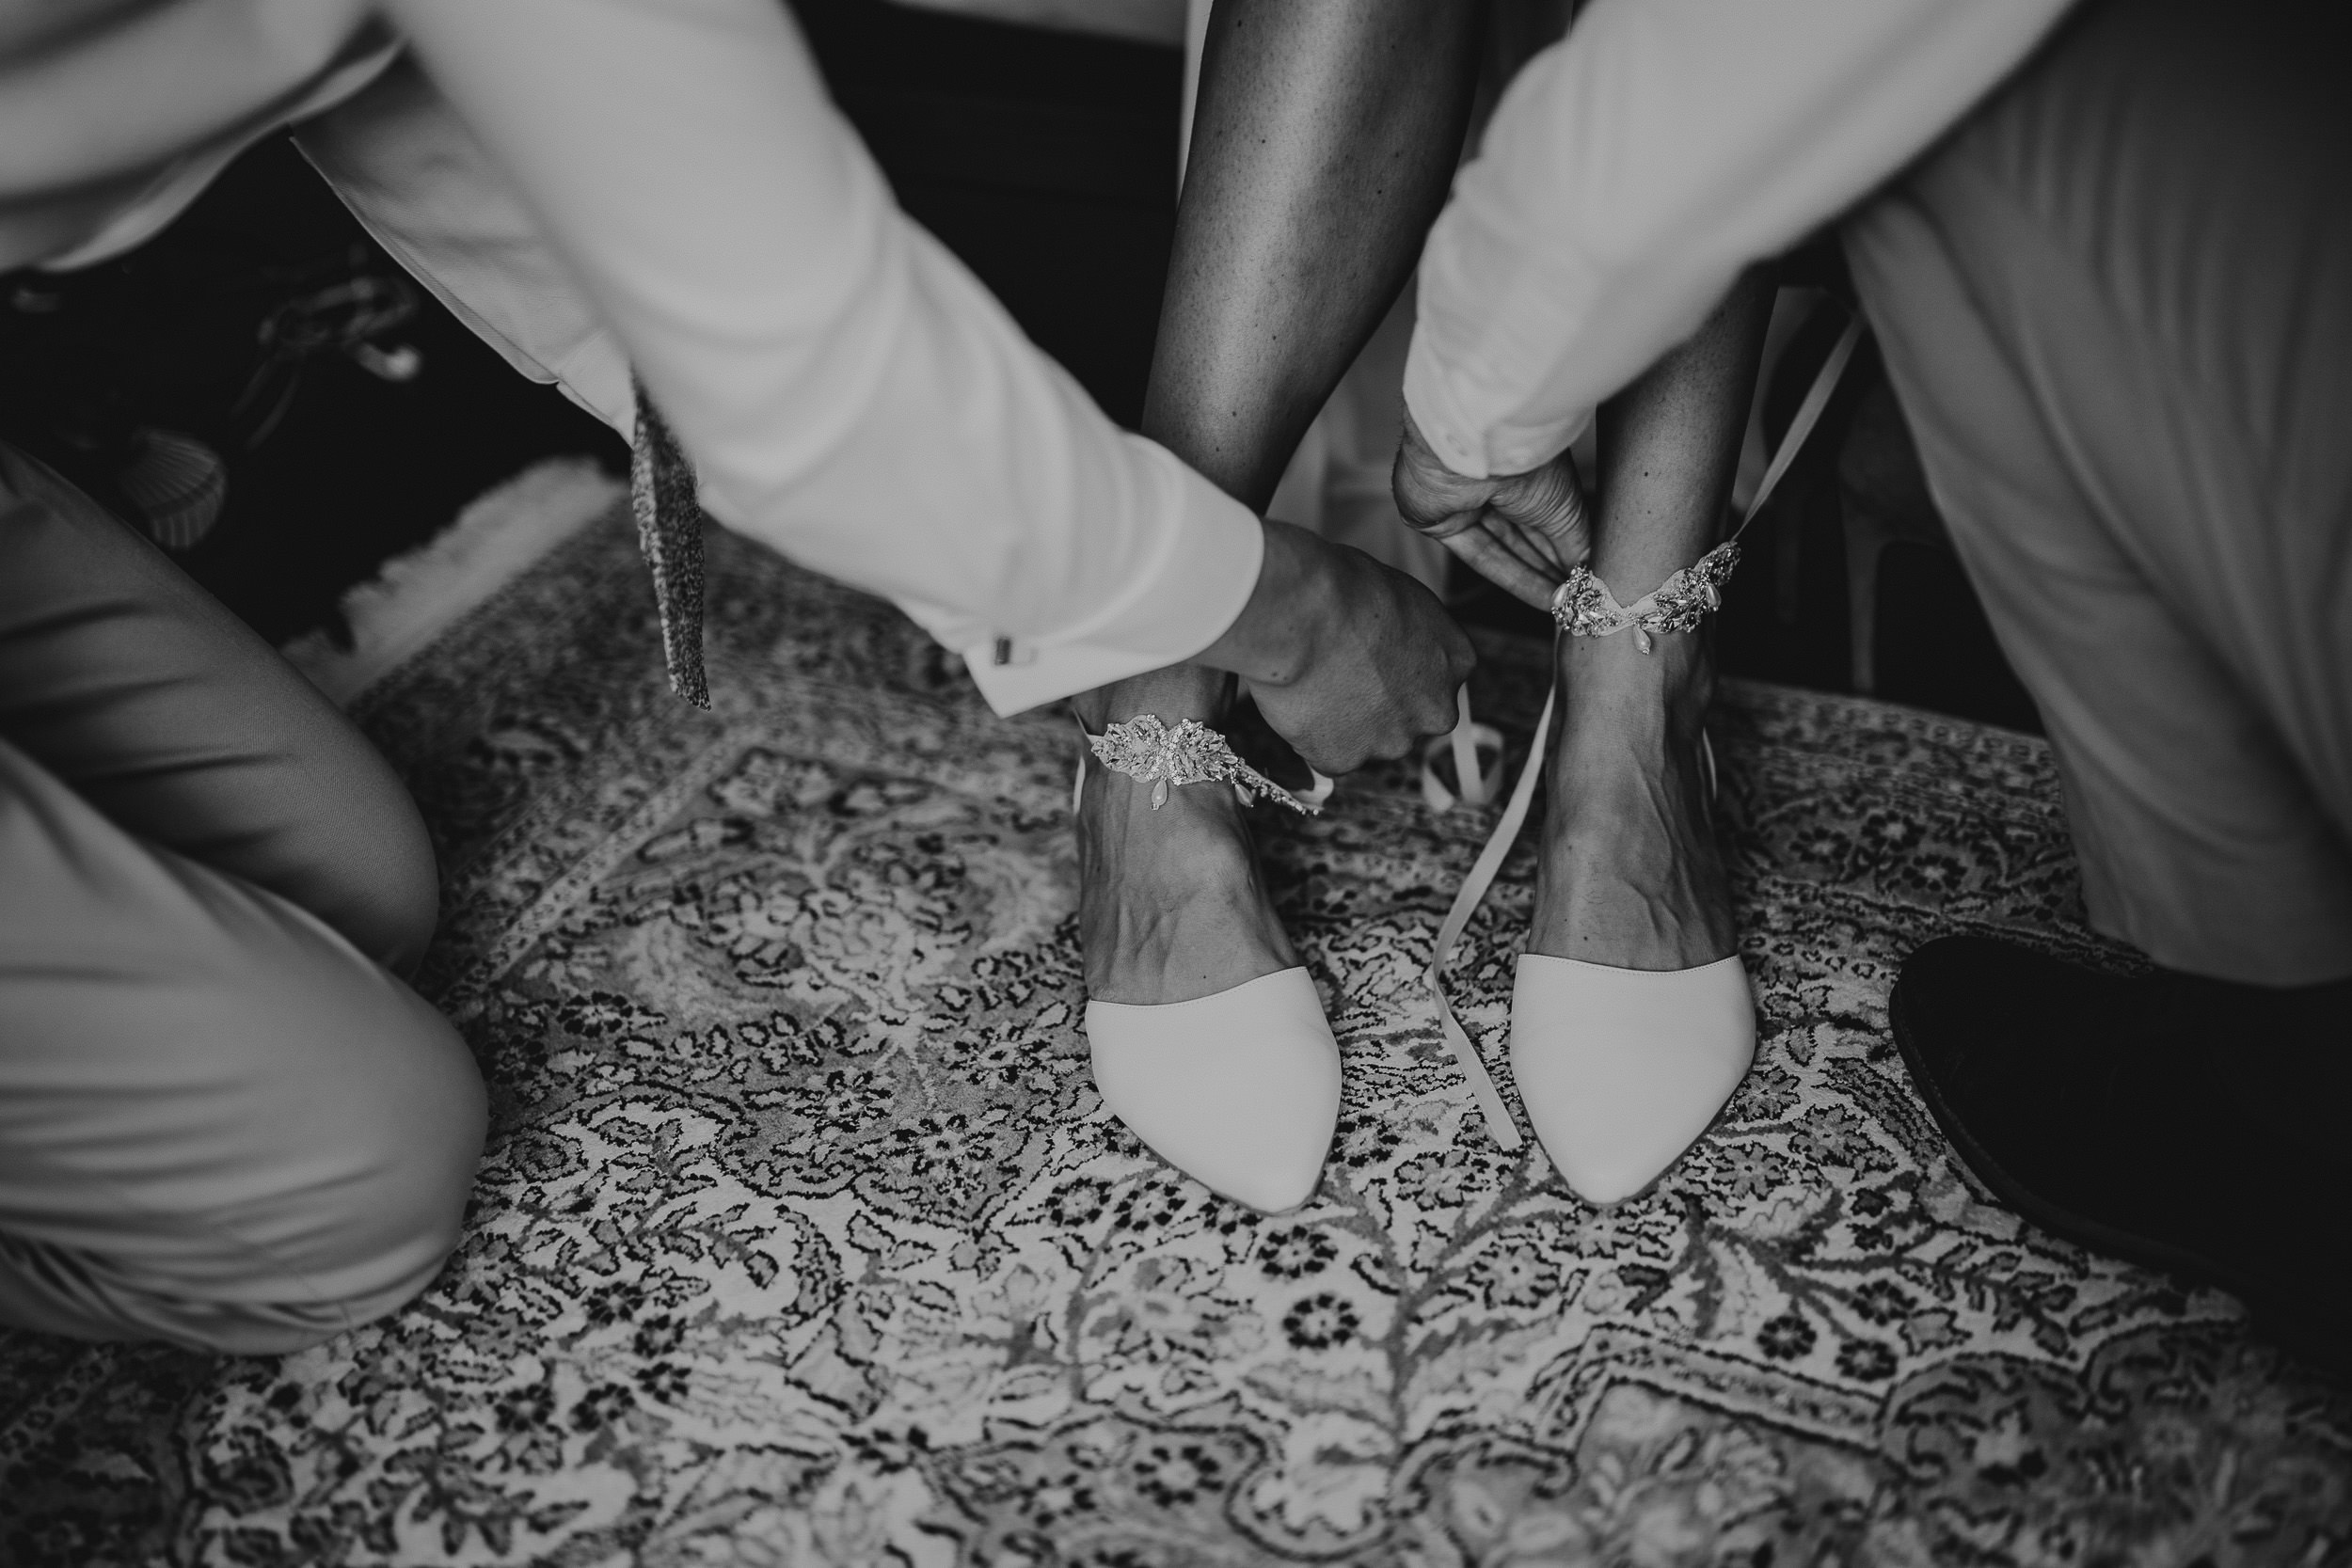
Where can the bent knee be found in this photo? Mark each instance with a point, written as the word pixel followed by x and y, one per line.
pixel 385 891
pixel 373 1198
pixel 401 901
pixel 318 1235
pixel 302 1188
pixel 376 1188
pixel 342 838
pixel 357 1117
pixel 372 1207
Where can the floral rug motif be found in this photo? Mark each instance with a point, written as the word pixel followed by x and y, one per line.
pixel 804 1239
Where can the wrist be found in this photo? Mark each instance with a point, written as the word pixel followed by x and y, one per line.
pixel 1431 495
pixel 1274 638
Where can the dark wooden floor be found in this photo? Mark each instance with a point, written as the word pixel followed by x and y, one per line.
pixel 1045 161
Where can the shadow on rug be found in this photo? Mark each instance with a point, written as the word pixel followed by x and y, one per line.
pixel 802 1237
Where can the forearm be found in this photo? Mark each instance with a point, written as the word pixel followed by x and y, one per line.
pixel 1635 169
pixel 851 395
pixel 1327 133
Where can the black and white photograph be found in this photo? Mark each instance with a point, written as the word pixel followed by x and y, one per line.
pixel 1175 783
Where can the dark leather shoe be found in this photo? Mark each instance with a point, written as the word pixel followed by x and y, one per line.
pixel 2182 1123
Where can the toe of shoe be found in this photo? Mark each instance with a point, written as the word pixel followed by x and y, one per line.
pixel 1622 1070
pixel 1239 1090
pixel 1949 995
pixel 2004 1038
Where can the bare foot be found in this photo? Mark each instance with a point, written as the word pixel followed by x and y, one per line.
pixel 1631 874
pixel 1171 906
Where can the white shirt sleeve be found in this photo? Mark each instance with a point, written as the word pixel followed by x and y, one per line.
pixel 1634 169
pixel 422 186
pixel 851 395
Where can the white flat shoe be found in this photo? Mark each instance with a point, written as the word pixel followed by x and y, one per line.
pixel 1239 1090
pixel 1622 1070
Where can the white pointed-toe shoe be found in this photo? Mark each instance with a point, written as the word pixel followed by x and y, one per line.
pixel 1239 1090
pixel 1622 1070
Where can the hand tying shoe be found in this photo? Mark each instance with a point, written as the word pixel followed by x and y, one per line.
pixel 1239 1089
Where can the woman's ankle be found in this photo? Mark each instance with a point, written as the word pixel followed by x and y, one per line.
pixel 1608 685
pixel 1630 876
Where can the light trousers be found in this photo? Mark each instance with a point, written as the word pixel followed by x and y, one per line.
pixel 2115 305
pixel 225 1122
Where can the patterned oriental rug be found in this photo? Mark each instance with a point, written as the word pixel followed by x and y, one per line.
pixel 804 1239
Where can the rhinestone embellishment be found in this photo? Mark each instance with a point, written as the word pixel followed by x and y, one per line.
pixel 1149 753
pixel 1583 607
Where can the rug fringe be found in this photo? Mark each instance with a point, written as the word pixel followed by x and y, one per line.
pixel 416 596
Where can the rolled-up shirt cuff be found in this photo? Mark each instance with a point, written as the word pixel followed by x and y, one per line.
pixel 1468 447
pixel 1194 588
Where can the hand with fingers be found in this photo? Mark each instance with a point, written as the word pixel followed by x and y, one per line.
pixel 1348 659
pixel 1520 532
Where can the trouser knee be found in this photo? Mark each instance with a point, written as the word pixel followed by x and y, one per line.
pixel 239 1134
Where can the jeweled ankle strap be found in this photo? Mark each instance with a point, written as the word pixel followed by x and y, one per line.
pixel 1583 607
pixel 1149 753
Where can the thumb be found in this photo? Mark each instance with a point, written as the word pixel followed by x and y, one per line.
pixel 1546 504
pixel 1430 495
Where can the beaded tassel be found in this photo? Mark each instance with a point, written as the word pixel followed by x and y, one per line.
pixel 670 536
